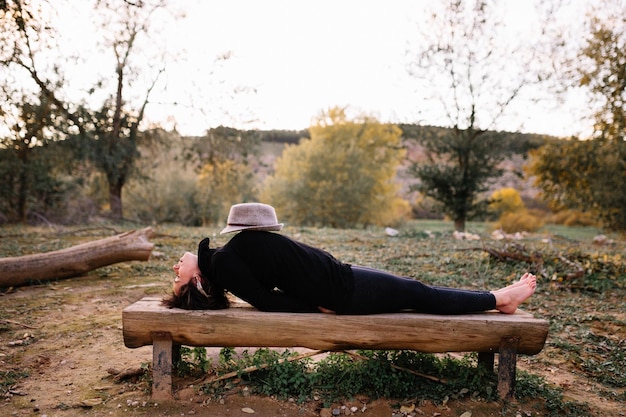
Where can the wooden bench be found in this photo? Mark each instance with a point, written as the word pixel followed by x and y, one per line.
pixel 146 322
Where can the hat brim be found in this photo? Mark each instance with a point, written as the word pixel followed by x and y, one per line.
pixel 271 228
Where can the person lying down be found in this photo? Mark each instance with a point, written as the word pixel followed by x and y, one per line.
pixel 273 272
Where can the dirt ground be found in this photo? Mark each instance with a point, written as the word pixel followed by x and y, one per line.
pixel 69 338
pixel 64 340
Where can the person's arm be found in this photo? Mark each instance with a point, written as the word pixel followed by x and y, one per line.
pixel 237 278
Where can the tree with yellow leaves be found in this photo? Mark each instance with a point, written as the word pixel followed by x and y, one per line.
pixel 220 184
pixel 590 174
pixel 343 176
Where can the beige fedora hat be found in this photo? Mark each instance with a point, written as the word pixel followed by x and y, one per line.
pixel 252 216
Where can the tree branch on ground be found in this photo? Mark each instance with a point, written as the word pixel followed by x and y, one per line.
pixel 76 260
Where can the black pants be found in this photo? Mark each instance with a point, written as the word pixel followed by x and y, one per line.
pixel 381 292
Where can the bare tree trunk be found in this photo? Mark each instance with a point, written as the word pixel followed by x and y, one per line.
pixel 23 186
pixel 76 260
pixel 459 224
pixel 115 200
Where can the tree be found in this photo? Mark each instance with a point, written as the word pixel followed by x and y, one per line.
pixel 24 39
pixel 474 77
pixel 223 143
pixel 28 132
pixel 460 167
pixel 220 185
pixel 343 176
pixel 227 163
pixel 115 128
pixel 590 174
pixel 602 71
pixel 193 180
pixel 110 133
pixel 30 115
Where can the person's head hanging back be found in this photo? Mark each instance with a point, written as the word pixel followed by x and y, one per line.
pixel 252 216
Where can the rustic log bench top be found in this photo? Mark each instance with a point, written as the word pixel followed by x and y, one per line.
pixel 147 322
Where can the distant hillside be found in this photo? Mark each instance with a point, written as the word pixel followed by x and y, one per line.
pixel 520 144
pixel 283 136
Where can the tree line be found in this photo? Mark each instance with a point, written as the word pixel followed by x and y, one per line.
pixel 59 155
pixel 341 173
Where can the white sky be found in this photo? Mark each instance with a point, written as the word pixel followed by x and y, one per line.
pixel 302 57
pixel 305 57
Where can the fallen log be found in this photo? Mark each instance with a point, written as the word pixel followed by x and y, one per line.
pixel 76 260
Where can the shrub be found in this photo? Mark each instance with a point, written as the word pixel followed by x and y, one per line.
pixel 506 200
pixel 165 198
pixel 574 218
pixel 522 221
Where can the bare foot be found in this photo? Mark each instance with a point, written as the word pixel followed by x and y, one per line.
pixel 509 299
pixel 522 281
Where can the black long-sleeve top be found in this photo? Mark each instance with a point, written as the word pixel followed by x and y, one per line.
pixel 275 273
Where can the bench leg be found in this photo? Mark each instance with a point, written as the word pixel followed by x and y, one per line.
pixel 161 366
pixel 507 363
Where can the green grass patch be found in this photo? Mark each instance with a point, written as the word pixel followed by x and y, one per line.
pixel 377 374
pixel 396 375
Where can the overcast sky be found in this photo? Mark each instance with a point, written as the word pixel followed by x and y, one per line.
pixel 290 60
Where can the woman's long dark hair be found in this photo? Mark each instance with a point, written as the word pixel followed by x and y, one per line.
pixel 190 298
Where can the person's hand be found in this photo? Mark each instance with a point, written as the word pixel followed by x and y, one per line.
pixel 325 310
